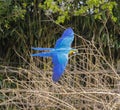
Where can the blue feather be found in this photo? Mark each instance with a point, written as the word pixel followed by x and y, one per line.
pixel 66 40
pixel 59 64
pixel 59 53
pixel 43 54
pixel 39 48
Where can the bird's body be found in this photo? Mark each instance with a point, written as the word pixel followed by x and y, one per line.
pixel 59 53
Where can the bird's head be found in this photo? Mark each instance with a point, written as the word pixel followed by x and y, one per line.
pixel 73 51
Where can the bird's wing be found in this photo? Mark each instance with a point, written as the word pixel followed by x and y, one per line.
pixel 39 48
pixel 66 39
pixel 59 64
pixel 43 54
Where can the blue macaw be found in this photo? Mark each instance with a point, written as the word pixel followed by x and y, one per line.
pixel 59 53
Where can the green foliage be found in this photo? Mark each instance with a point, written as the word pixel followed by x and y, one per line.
pixel 10 13
pixel 52 7
pixel 25 23
pixel 18 13
pixel 92 7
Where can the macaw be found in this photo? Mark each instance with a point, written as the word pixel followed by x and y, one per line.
pixel 59 53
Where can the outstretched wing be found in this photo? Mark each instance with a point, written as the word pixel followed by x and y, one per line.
pixel 59 64
pixel 66 39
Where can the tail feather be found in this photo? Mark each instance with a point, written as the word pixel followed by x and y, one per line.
pixel 43 54
pixel 39 48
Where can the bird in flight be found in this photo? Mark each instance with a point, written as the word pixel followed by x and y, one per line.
pixel 59 53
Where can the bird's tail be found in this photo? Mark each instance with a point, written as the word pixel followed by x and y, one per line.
pixel 43 54
pixel 39 48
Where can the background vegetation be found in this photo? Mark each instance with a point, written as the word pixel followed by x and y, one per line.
pixel 91 80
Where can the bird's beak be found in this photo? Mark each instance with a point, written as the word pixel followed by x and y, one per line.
pixel 73 52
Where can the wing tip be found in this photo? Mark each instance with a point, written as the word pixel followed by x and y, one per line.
pixel 70 29
pixel 56 77
pixel 55 80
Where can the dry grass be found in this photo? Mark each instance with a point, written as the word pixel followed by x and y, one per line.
pixel 90 82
